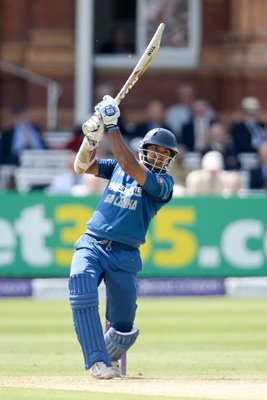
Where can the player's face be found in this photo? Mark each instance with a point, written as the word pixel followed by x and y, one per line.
pixel 158 156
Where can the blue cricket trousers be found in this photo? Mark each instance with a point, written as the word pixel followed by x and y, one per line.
pixel 118 265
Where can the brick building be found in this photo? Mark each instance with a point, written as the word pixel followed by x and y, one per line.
pixel 56 40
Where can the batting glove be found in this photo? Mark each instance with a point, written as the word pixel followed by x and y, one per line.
pixel 93 129
pixel 109 111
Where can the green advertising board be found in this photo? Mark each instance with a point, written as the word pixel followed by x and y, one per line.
pixel 190 237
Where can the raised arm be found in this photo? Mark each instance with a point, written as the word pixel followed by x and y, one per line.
pixel 85 161
pixel 109 111
pixel 125 157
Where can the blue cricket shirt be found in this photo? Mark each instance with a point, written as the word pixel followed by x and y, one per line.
pixel 126 208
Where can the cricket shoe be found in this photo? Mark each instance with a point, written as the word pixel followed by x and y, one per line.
pixel 101 371
pixel 115 365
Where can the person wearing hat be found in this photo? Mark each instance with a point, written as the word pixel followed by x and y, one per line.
pixel 250 131
pixel 210 179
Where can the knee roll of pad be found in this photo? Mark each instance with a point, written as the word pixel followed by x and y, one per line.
pixel 82 292
pixel 119 342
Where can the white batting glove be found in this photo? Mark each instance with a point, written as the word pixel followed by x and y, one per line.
pixel 109 111
pixel 93 129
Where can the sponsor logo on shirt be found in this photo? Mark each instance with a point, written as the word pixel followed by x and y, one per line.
pixel 126 191
pixel 123 196
pixel 122 202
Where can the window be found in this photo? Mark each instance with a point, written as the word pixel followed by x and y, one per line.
pixel 133 23
pixel 114 27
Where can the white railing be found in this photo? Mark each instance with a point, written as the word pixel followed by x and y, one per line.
pixel 54 89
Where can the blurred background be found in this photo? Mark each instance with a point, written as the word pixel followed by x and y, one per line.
pixel 219 47
pixel 207 84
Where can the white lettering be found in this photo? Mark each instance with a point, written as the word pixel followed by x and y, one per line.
pixel 234 243
pixel 124 202
pixel 33 228
pixel 109 198
pixel 130 191
pixel 7 243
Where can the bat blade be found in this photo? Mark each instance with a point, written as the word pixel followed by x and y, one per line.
pixel 143 63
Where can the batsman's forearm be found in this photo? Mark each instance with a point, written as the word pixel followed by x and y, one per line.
pixel 84 158
pixel 121 151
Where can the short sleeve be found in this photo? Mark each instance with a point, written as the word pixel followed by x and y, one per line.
pixel 106 168
pixel 160 187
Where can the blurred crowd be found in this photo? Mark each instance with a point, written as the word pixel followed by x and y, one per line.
pixel 215 157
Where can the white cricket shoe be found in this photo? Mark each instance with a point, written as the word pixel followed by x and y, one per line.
pixel 115 365
pixel 101 371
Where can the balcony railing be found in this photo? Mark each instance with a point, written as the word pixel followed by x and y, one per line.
pixel 54 89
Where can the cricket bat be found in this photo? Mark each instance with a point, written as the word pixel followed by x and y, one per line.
pixel 143 63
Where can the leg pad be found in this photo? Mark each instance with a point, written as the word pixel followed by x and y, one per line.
pixel 119 342
pixel 84 303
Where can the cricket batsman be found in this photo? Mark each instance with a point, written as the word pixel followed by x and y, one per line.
pixel 109 248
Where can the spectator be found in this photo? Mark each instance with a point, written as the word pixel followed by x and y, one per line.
pixel 249 132
pixel 119 42
pixel 210 179
pixel 195 134
pixel 76 141
pixel 258 176
pixel 180 113
pixel 11 184
pixel 69 183
pixel 233 184
pixel 221 141
pixel 63 183
pixel 178 171
pixel 154 118
pixel 78 136
pixel 23 134
pixel 91 185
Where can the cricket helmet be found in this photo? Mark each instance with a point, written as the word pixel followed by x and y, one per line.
pixel 159 137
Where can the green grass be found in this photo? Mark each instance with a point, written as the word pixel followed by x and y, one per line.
pixel 188 337
pixel 26 394
pixel 202 337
